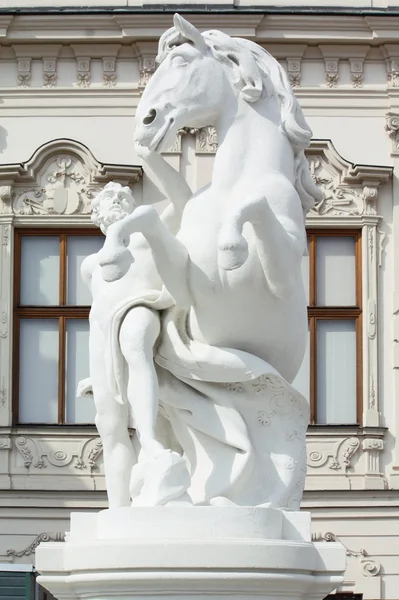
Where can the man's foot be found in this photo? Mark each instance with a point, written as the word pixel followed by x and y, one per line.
pixel 160 480
pixel 150 448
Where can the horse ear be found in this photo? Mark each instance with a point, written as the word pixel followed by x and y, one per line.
pixel 249 72
pixel 190 32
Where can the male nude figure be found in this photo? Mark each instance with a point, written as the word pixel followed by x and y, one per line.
pixel 132 295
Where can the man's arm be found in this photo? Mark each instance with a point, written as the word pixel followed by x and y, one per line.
pixel 170 182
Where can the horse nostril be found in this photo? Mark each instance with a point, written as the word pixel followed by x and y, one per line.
pixel 150 117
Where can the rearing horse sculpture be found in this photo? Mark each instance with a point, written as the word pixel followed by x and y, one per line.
pixel 234 268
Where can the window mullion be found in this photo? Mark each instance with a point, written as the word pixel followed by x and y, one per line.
pixel 63 269
pixel 61 369
pixel 313 369
pixel 312 270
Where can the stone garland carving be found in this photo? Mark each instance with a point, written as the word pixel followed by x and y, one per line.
pixel 109 72
pixel 3 394
pixel 147 66
pixel 392 127
pixel 84 72
pixel 3 321
pixel 381 236
pixel 84 457
pixel 369 567
pixel 357 74
pixel 331 71
pixel 6 234
pixel 372 402
pixel 42 537
pixel 338 457
pixel 49 72
pixel 392 65
pixel 294 71
pixel 24 74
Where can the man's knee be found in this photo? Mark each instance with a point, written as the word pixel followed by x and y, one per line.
pixel 139 330
pixel 109 424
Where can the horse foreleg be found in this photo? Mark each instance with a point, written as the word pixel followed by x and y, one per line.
pixel 279 249
pixel 169 254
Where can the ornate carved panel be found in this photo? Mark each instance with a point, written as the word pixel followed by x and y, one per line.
pixel 61 178
pixel 44 458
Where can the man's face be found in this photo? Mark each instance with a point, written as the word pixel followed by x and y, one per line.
pixel 111 206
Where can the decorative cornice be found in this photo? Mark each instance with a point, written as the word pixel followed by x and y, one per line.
pixel 261 27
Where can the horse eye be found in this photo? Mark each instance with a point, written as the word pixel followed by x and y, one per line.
pixel 178 61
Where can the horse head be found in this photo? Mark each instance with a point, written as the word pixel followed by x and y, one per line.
pixel 202 78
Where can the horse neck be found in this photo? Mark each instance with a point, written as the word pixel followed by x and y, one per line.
pixel 251 144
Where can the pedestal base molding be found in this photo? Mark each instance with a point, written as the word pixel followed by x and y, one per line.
pixel 190 553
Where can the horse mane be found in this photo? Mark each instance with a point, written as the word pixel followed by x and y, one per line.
pixel 260 66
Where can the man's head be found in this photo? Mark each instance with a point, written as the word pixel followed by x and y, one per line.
pixel 112 204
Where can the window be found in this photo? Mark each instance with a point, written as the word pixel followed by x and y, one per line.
pixel 51 328
pixel 331 371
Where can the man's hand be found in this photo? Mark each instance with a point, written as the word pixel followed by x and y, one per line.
pixel 84 388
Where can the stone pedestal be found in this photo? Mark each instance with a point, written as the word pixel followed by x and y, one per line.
pixel 177 553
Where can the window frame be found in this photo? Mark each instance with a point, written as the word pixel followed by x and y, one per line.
pixel 61 312
pixel 334 313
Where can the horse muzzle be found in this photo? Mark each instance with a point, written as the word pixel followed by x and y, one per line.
pixel 152 129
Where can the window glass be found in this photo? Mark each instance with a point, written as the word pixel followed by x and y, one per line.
pixel 38 371
pixel 40 270
pixel 78 248
pixel 305 275
pixel 302 380
pixel 336 371
pixel 336 271
pixel 78 410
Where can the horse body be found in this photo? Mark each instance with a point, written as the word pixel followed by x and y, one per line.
pixel 237 308
pixel 243 237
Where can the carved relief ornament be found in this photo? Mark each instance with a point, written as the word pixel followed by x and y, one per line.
pixel 392 127
pixel 61 178
pixel 82 458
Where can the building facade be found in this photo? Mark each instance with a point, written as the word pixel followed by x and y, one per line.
pixel 70 82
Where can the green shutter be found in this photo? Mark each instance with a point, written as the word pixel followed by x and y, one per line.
pixel 16 586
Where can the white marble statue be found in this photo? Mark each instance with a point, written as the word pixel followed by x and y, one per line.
pixel 200 312
pixel 228 282
pixel 118 305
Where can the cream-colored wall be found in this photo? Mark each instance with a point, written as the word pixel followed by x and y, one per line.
pixel 41 473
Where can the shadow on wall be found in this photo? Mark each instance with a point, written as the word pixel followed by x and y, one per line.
pixel 3 139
